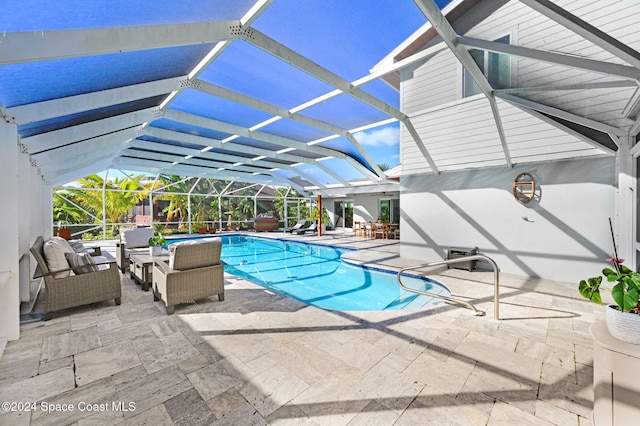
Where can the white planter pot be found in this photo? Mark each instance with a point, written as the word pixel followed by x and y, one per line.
pixel 623 325
pixel 155 250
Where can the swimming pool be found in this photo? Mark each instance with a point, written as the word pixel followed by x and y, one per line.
pixel 316 275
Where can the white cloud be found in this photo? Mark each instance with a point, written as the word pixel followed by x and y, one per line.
pixel 387 136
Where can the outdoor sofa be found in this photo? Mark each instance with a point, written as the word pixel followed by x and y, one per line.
pixel 73 278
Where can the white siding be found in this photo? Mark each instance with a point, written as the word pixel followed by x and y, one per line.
pixel 434 83
pixel 461 133
pixel 562 235
pixel 464 135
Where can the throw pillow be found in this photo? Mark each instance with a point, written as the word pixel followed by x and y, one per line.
pixel 54 251
pixel 81 263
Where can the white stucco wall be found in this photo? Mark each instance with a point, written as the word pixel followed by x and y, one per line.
pixel 26 213
pixel 9 230
pixel 366 206
pixel 562 236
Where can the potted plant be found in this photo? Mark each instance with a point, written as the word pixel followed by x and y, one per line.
pixel 623 318
pixel 155 244
pixel 63 231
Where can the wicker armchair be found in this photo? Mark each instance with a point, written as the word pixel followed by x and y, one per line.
pixel 194 271
pixel 75 290
pixel 130 241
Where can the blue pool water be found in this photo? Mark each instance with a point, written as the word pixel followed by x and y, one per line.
pixel 316 275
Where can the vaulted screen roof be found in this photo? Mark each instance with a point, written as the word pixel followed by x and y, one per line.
pixel 271 91
pixel 258 91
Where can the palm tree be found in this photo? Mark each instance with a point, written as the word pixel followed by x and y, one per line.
pixel 120 196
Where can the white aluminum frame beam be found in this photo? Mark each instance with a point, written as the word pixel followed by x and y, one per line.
pixel 449 36
pixel 58 138
pixel 200 140
pixel 184 169
pixel 20 47
pixel 196 171
pixel 233 129
pixel 564 128
pixel 214 143
pixel 271 46
pixel 85 149
pixel 600 67
pixel 45 110
pixel 177 154
pixel 67 168
pixel 293 58
pixel 181 151
pixel 585 30
pixel 602 127
pixel 280 113
pixel 62 178
pixel 580 86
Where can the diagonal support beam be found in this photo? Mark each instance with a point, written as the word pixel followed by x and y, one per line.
pixel 602 127
pixel 600 67
pixel 281 51
pixel 449 36
pixel 47 45
pixel 421 146
pixel 565 129
pixel 585 30
pixel 563 87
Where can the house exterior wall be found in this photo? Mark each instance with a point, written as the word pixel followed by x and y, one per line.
pixel 366 206
pixel 562 235
pixel 431 92
pixel 9 233
pixel 25 197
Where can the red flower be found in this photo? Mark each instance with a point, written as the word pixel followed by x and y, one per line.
pixel 612 259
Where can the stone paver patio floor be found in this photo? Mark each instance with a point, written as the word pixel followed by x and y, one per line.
pixel 263 358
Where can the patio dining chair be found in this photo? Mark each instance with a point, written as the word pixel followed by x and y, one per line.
pixel 378 230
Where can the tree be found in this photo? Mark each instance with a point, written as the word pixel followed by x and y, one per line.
pixel 120 196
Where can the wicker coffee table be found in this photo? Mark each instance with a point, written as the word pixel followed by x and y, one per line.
pixel 142 267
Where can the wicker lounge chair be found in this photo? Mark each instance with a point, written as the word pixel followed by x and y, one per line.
pixel 194 271
pixel 67 290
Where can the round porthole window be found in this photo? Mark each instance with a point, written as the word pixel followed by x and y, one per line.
pixel 524 188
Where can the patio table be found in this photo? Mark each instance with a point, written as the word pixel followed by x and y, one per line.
pixel 142 267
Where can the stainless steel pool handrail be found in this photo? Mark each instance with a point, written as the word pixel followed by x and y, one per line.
pixel 454 299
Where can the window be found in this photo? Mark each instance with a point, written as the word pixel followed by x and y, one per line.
pixel 496 67
pixel 389 210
